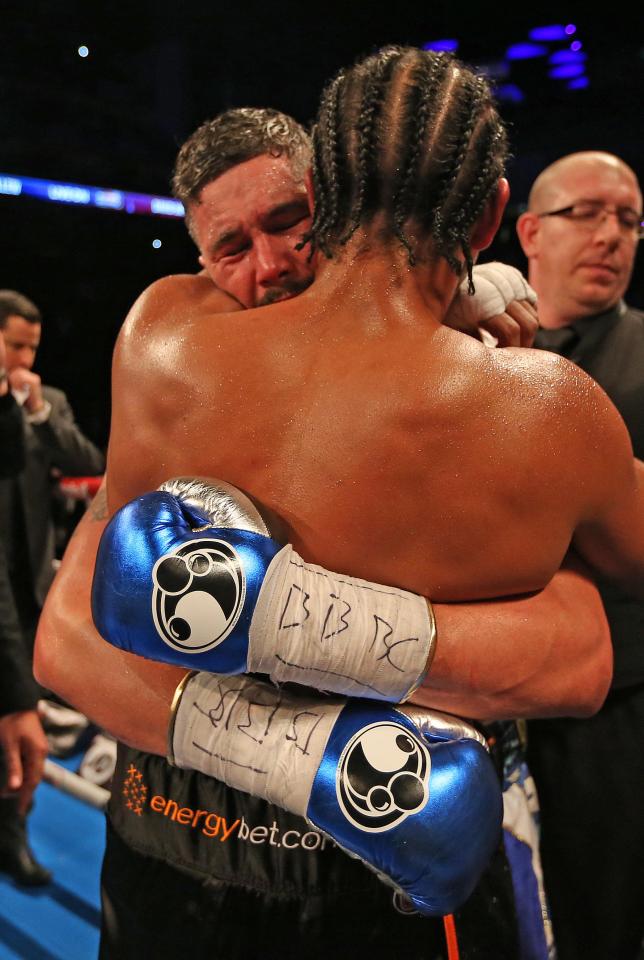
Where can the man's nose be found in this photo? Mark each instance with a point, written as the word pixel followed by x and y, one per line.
pixel 609 230
pixel 272 260
pixel 26 357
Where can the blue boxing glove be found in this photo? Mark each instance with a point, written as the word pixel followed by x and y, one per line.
pixel 189 575
pixel 411 792
pixel 169 587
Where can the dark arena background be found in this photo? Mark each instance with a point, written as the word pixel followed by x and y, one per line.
pixel 100 95
pixel 96 99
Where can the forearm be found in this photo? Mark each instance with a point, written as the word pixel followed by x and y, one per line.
pixel 121 693
pixel 544 655
pixel 124 694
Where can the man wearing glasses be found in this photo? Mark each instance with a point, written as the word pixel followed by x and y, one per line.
pixel 580 235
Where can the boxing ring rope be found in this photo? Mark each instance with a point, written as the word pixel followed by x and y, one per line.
pixel 63 779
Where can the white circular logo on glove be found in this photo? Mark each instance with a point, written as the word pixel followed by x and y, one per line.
pixel 383 776
pixel 199 591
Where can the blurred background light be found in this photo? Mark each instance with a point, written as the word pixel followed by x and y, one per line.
pixel 144 203
pixel 555 31
pixel 438 45
pixel 510 93
pixel 566 70
pixel 525 51
pixel 567 56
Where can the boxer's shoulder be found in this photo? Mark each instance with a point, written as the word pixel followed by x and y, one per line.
pixel 554 401
pixel 166 308
pixel 541 376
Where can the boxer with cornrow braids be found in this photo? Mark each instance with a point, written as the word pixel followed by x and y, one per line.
pixel 378 443
pixel 421 110
pixel 375 123
pixel 325 157
pixel 371 107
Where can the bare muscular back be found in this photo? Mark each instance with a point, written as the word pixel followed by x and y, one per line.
pixel 391 447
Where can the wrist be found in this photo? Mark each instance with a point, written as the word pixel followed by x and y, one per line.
pixel 40 414
pixel 174 706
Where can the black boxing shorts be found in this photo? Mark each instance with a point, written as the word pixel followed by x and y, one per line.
pixel 195 868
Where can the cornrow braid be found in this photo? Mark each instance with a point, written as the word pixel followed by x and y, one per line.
pixel 411 135
pixel 473 94
pixel 420 111
pixel 366 126
pixel 326 161
pixel 320 214
pixel 488 175
pixel 477 196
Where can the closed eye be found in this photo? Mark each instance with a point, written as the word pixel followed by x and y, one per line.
pixel 286 216
pixel 287 223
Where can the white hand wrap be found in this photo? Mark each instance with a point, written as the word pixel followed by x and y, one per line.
pixel 252 736
pixel 497 286
pixel 315 627
pixel 269 742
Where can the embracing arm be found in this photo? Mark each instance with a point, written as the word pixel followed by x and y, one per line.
pixel 547 654
pixel 614 542
pixel 124 694
pixel 610 533
pixel 539 656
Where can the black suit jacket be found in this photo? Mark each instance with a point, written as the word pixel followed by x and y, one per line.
pixel 610 347
pixel 12 447
pixel 58 442
pixel 17 687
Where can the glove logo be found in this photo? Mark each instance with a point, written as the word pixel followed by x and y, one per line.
pixel 199 592
pixel 383 776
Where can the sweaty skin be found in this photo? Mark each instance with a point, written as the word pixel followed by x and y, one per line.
pixel 383 440
pixel 247 225
pixel 545 654
pixel 269 401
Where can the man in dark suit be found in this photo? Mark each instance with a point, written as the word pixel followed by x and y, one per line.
pixel 43 435
pixel 580 235
pixel 23 744
pixel 52 440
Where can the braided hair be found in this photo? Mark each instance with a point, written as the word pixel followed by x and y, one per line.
pixel 410 134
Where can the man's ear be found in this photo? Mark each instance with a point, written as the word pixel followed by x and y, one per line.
pixel 202 262
pixel 308 181
pixel 528 231
pixel 488 223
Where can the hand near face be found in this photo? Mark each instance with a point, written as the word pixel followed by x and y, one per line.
pixel 502 310
pixel 28 384
pixel 516 327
